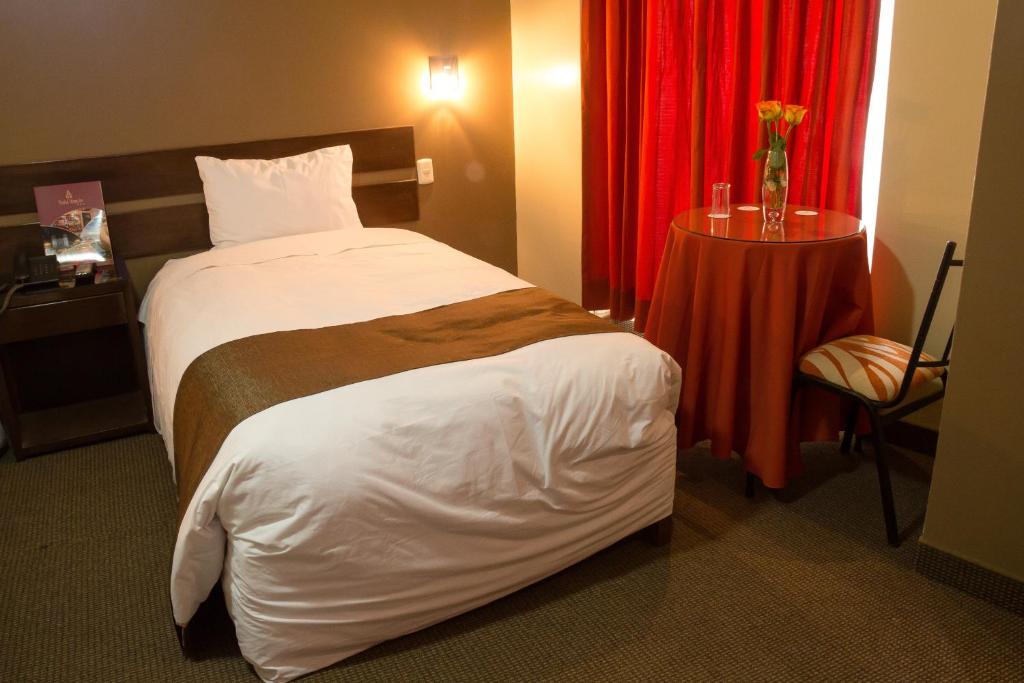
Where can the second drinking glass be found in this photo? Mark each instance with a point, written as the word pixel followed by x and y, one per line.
pixel 719 200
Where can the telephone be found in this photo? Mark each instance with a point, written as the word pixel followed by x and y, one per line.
pixel 31 271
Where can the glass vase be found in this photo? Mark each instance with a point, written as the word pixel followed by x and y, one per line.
pixel 775 186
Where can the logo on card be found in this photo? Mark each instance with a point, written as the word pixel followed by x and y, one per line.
pixel 70 200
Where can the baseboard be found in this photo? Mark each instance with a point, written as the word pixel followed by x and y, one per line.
pixel 912 437
pixel 970 578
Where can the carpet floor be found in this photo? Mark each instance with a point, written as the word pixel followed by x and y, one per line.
pixel 797 585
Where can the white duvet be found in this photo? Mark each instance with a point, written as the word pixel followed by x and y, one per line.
pixel 346 518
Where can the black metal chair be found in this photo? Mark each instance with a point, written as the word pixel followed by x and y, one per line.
pixel 867 369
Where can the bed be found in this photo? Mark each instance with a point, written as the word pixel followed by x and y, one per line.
pixel 357 513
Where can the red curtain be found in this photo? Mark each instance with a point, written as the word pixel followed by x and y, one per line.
pixel 668 109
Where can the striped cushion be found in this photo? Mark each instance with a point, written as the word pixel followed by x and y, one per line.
pixel 871 366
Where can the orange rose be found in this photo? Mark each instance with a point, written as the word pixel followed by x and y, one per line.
pixel 769 110
pixel 794 114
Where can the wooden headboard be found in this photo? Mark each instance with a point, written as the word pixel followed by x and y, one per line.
pixel 154 200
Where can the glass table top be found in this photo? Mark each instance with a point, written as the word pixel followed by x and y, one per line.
pixel 745 223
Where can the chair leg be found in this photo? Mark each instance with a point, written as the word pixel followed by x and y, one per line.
pixel 851 426
pixel 884 483
pixel 751 483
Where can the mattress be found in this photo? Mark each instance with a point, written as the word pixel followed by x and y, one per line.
pixel 355 515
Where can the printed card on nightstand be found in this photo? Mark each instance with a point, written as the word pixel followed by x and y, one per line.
pixel 73 218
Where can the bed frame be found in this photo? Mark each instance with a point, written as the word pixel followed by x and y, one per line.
pixel 154 200
pixel 156 211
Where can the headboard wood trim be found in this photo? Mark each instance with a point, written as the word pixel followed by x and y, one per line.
pixel 186 227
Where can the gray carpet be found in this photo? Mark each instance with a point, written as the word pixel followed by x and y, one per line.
pixel 792 586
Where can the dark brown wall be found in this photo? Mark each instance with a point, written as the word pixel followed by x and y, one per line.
pixel 107 76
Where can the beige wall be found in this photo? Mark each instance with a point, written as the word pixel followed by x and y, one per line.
pixel 103 77
pixel 546 63
pixel 937 77
pixel 976 505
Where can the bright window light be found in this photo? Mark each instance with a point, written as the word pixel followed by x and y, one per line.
pixel 871 180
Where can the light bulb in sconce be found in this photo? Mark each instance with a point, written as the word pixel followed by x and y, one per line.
pixel 444 78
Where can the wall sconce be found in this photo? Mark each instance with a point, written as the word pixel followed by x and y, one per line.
pixel 444 78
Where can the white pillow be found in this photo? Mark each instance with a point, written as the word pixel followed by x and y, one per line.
pixel 255 199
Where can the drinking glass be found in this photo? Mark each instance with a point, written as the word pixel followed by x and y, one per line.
pixel 719 200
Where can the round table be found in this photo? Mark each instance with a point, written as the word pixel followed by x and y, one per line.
pixel 737 303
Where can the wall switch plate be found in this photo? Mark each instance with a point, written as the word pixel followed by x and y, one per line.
pixel 425 171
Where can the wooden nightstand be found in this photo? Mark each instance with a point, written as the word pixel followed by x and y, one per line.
pixel 72 367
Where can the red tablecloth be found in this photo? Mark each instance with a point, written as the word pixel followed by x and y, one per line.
pixel 737 315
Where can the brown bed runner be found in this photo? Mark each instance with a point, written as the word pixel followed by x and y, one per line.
pixel 240 378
